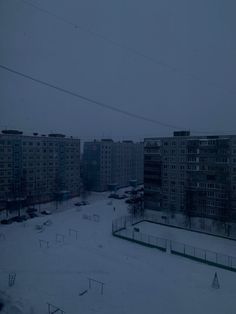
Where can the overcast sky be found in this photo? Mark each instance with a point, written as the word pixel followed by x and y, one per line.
pixel 187 76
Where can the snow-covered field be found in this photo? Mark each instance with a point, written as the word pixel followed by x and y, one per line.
pixel 136 279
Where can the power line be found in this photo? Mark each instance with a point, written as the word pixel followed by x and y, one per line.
pixel 160 63
pixel 99 103
pixel 88 99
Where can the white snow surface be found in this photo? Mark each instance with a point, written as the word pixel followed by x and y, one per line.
pixel 137 279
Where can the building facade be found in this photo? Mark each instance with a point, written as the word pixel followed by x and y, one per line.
pixel 37 168
pixel 107 162
pixel 195 175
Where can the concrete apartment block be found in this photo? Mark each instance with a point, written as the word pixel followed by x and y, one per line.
pixel 191 174
pixel 106 162
pixel 38 167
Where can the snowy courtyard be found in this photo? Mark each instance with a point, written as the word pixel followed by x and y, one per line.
pixel 55 258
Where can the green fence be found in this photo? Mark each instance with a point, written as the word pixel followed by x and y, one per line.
pixel 122 228
pixel 126 227
pixel 202 255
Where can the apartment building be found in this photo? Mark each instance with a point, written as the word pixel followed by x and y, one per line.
pixel 195 175
pixel 107 162
pixel 38 168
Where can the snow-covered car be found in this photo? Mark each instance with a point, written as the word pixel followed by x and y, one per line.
pixel 112 196
pixel 81 203
pixel 85 203
pixel 46 212
pixel 78 204
pixel 122 197
pixel 117 197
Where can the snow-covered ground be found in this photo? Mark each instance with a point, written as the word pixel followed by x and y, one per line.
pixel 136 279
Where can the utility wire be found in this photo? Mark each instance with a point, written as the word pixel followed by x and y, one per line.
pixel 159 63
pixel 102 104
pixel 88 99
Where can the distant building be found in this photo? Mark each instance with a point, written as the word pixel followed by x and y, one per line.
pixel 38 168
pixel 107 162
pixel 195 175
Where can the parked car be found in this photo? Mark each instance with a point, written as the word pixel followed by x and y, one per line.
pixel 140 189
pixel 123 197
pixel 18 218
pixel 129 201
pixel 21 218
pixel 31 210
pixel 85 203
pixel 111 196
pixel 33 215
pixel 6 221
pixel 46 212
pixel 13 219
pixel 117 197
pixel 128 192
pixel 133 201
pixel 78 204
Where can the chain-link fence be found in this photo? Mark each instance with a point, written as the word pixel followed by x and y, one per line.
pixel 121 227
pixel 127 227
pixel 202 255
pixel 197 224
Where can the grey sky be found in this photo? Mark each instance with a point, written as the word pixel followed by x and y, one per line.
pixel 197 37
